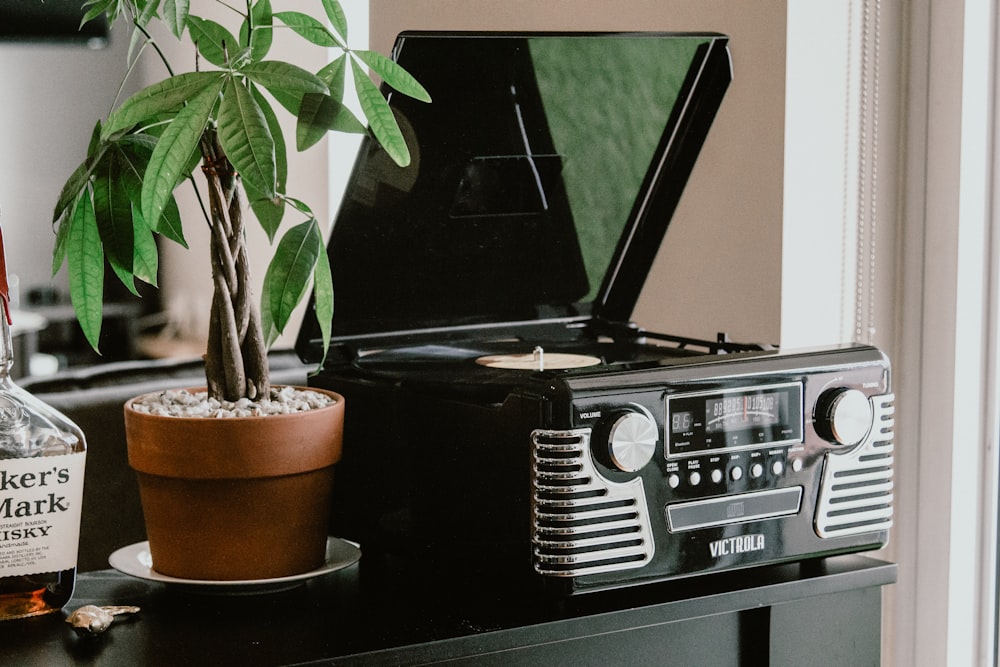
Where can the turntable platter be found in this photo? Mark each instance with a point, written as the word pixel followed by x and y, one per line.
pixel 538 360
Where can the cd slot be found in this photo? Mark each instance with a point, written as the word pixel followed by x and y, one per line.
pixel 734 509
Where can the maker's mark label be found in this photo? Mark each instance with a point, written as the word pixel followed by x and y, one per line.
pixel 736 545
pixel 40 503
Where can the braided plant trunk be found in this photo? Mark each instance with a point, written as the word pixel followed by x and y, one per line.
pixel 236 356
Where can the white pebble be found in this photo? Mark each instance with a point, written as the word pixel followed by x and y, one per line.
pixel 181 403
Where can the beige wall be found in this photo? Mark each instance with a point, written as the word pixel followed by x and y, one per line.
pixel 720 266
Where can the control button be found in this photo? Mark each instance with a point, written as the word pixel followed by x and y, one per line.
pixel 694 478
pixel 632 439
pixel 844 416
pixel 716 475
pixel 736 474
pixel 777 467
pixel 756 470
pixel 673 480
pixel 797 465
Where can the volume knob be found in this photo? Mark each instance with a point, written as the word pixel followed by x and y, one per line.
pixel 844 416
pixel 632 438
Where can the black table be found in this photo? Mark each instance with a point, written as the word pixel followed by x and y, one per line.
pixel 818 612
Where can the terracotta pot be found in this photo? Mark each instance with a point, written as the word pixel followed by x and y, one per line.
pixel 236 499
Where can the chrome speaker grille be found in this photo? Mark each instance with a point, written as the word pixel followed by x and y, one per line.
pixel 856 494
pixel 583 523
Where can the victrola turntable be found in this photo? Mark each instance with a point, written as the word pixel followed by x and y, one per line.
pixel 503 414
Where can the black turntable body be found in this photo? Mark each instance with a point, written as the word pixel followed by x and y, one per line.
pixel 505 419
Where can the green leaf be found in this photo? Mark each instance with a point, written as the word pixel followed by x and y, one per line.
pixel 146 11
pixel 192 163
pixel 323 294
pixel 258 30
pixel 175 14
pixel 136 43
pixel 94 147
pixel 280 150
pixel 333 75
pixel 319 114
pixel 143 5
pixel 170 224
pixel 172 151
pixel 113 208
pixel 270 211
pixel 78 180
pixel 271 333
pixel 132 164
pixel 245 137
pixel 290 270
pixel 394 75
pixel 141 142
pixel 132 158
pixel 86 270
pixel 128 188
pixel 113 213
pixel 215 44
pixel 380 118
pixel 126 278
pixel 290 102
pixel 62 236
pixel 284 77
pixel 98 7
pixel 337 17
pixel 137 149
pixel 166 96
pixel 145 259
pixel 300 206
pixel 289 95
pixel 308 27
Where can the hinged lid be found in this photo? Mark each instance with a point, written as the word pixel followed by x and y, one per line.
pixel 544 176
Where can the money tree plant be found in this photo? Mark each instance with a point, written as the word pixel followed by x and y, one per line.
pixel 219 120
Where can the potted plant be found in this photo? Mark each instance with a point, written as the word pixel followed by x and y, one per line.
pixel 220 120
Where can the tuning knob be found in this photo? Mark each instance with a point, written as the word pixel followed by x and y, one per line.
pixel 631 441
pixel 844 416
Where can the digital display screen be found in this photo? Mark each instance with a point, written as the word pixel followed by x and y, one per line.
pixel 734 418
pixel 742 411
pixel 681 421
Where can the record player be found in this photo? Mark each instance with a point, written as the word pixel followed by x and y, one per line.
pixel 505 417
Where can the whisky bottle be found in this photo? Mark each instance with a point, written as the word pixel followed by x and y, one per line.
pixel 42 457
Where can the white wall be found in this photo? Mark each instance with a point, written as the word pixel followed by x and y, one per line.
pixel 829 294
pixel 52 97
pixel 948 290
pixel 832 291
pixel 935 289
pixel 820 179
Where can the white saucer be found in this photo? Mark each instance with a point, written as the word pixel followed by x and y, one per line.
pixel 136 561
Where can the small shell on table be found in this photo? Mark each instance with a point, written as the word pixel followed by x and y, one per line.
pixel 91 620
